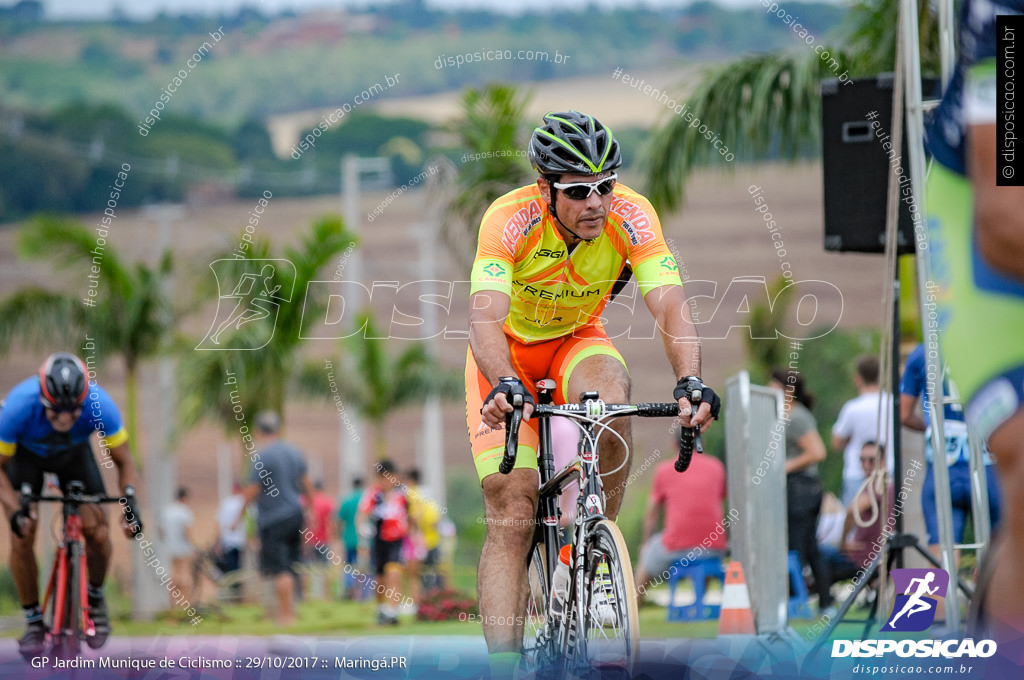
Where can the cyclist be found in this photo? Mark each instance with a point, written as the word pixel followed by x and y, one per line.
pixel 976 246
pixel 548 255
pixel 45 426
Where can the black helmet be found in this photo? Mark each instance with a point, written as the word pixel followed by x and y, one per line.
pixel 573 144
pixel 62 382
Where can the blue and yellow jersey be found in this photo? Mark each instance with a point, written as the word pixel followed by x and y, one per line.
pixel 23 422
pixel 553 293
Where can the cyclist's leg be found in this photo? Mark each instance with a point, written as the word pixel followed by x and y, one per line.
pixel 589 362
pixel 510 503
pixel 1004 600
pixel 20 468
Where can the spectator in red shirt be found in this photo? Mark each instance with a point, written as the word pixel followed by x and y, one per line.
pixel 387 508
pixel 693 516
pixel 321 513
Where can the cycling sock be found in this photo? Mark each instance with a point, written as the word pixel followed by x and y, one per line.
pixel 503 664
pixel 33 614
pixel 95 593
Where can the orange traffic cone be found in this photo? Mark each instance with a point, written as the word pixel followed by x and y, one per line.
pixel 736 617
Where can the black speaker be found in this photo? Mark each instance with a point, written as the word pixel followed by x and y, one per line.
pixel 857 167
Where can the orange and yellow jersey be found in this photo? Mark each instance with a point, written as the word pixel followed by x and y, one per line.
pixel 553 293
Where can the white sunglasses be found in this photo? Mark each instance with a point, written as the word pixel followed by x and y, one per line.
pixel 579 191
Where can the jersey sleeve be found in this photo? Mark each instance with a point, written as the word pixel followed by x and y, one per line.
pixel 13 416
pixel 913 374
pixel 492 268
pixel 105 417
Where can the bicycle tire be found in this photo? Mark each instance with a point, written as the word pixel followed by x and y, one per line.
pixel 607 638
pixel 538 641
pixel 72 633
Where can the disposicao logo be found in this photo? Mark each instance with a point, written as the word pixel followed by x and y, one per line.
pixel 917 595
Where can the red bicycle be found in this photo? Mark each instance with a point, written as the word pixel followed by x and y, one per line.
pixel 66 604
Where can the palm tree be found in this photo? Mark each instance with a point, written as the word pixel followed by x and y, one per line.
pixel 129 316
pixel 493 120
pixel 262 375
pixel 763 103
pixel 377 383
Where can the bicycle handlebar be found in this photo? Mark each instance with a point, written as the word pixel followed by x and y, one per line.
pixel 73 498
pixel 596 410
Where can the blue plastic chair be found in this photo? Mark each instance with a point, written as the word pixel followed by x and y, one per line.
pixel 698 571
pixel 799 607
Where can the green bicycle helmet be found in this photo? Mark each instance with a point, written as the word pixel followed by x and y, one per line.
pixel 573 143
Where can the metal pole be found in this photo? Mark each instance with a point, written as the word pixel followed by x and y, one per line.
pixel 915 144
pixel 351 453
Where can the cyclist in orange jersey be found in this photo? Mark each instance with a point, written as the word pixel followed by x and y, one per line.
pixel 548 257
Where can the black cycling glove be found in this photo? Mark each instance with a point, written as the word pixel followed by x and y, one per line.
pixel 509 387
pixel 19 517
pixel 694 389
pixel 130 508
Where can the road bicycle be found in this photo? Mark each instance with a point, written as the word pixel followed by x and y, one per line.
pixel 599 625
pixel 66 604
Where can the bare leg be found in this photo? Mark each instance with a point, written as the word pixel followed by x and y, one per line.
pixel 284 588
pixel 1004 601
pixel 510 503
pixel 97 543
pixel 609 378
pixel 23 564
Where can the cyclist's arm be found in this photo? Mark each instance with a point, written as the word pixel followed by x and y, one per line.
pixel 8 496
pixel 908 413
pixel 127 475
pixel 1000 224
pixel 487 341
pixel 682 346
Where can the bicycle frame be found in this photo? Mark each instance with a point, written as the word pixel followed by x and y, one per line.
pixel 70 558
pixel 590 501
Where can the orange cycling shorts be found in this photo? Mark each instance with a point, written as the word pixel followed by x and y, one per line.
pixel 555 359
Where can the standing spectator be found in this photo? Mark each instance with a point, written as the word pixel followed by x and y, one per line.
pixel 322 511
pixel 231 534
pixel 388 511
pixel 858 423
pixel 858 542
pixel 348 509
pixel 692 505
pixel 424 514
pixel 276 481
pixel 804 450
pixel 177 538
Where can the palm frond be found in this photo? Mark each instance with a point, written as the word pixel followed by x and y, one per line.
pixel 40 318
pixel 754 106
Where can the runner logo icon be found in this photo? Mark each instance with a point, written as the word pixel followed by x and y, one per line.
pixel 917 596
pixel 250 295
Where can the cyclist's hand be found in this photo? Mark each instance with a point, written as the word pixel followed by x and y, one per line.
pixel 691 390
pixel 498 405
pixel 19 520
pixel 131 519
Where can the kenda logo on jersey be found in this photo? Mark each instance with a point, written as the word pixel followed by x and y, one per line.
pixel 918 592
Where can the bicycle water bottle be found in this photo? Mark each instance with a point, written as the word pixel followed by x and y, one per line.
pixel 560 583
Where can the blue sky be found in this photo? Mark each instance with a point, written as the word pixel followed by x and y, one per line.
pixel 98 8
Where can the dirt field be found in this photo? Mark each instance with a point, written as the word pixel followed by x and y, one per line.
pixel 718 237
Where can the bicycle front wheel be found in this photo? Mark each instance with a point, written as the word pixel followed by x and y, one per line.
pixel 609 624
pixel 68 642
pixel 538 641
